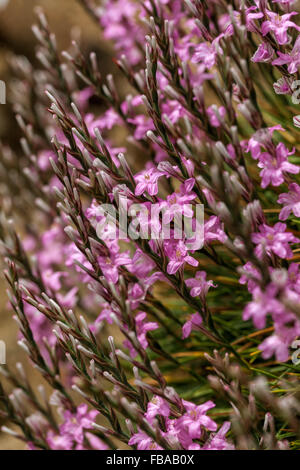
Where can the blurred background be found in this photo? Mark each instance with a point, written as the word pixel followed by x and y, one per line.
pixel 16 18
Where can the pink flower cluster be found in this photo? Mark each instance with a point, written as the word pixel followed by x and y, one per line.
pixel 187 431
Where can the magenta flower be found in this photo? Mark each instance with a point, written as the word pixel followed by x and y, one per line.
pixel 213 230
pixel 142 328
pixel 194 321
pixel 195 419
pixel 40 326
pixel 141 264
pixel 178 255
pixel 250 276
pixel 294 276
pixel 109 265
pixel 64 442
pixel 262 304
pixel 290 201
pixel 157 406
pixel 52 279
pixel 58 442
pixel 147 181
pixel 214 117
pixel 274 166
pixel 279 25
pixel 264 53
pixel 143 442
pixel 75 424
pixel 136 293
pixel 275 345
pixel 199 285
pixel 143 124
pixel 262 139
pixel 178 204
pixel 105 315
pixel 72 431
pixel 206 53
pixel 274 240
pixel 218 441
pixel 292 59
pixel 107 121
pixel 69 299
pixel 117 20
pixel 251 16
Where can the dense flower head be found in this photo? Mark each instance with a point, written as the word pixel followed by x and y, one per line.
pixel 186 430
pixel 274 240
pixel 72 431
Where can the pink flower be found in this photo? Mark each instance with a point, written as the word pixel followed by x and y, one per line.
pixel 136 293
pixel 52 279
pixel 199 285
pixel 107 120
pixel 109 265
pixel 141 264
pixel 262 139
pixel 292 59
pixel 279 25
pixel 105 315
pixel 215 114
pixel 157 406
pixel 213 230
pixel 94 442
pixel 40 326
pixel 173 110
pixel 275 345
pixel 262 304
pixel 179 203
pixel 178 255
pixel 195 419
pixel 143 442
pixel 274 166
pixel 274 240
pixel 218 441
pixel 250 275
pixel 291 202
pixel 264 53
pixel 147 181
pixel 75 424
pixel 207 53
pixel 117 20
pixel 294 276
pixel 69 299
pixel 251 17
pixel 143 124
pixel 72 431
pixel 194 321
pixel 58 442
pixel 142 328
